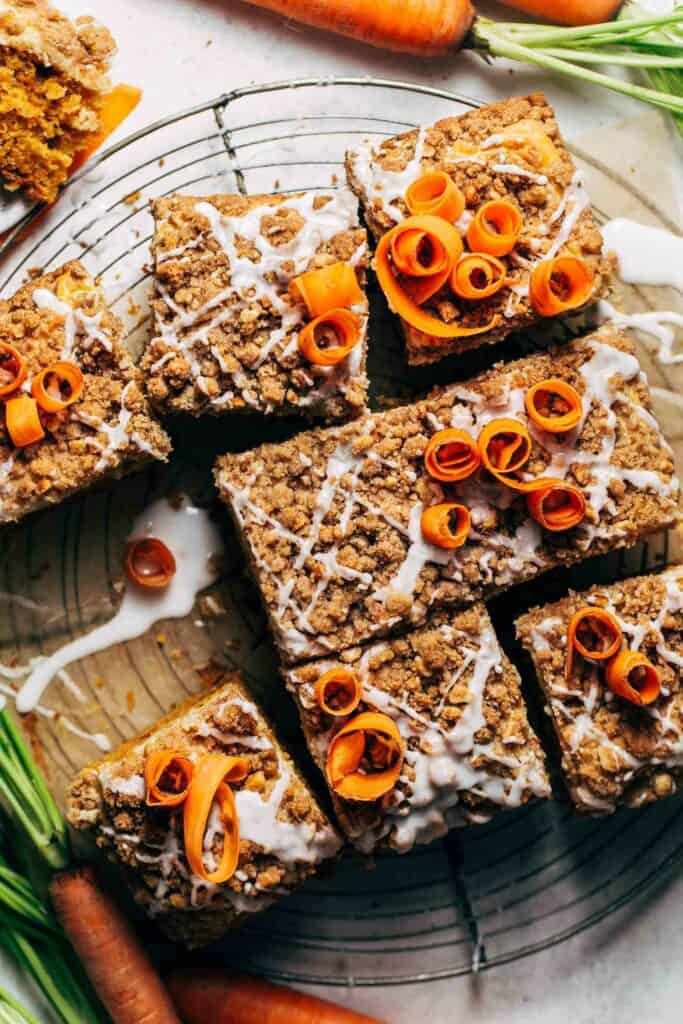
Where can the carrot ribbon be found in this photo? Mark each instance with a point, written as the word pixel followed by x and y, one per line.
pixel 446 525
pixel 57 386
pixel 150 563
pixel 413 261
pixel 338 692
pixel 451 455
pixel 330 338
pixel 212 777
pixel 560 284
pixel 168 776
pixel 504 448
pixel 23 421
pixel 12 369
pixel 333 287
pixel 365 757
pixel 477 276
pixel 495 228
pixel 554 406
pixel 556 505
pixel 436 194
pixel 633 676
pixel 594 633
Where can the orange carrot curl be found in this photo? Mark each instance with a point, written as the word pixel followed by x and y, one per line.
pixel 554 406
pixel 333 287
pixel 13 369
pixel 560 285
pixel 477 276
pixel 495 228
pixel 150 563
pixel 338 692
pixel 207 995
pixel 212 777
pixel 633 676
pixel 114 960
pixel 594 633
pixel 330 338
pixel 556 505
pixel 22 420
pixel 505 447
pixel 452 455
pixel 57 386
pixel 168 776
pixel 365 757
pixel 447 525
pixel 427 28
pixel 436 194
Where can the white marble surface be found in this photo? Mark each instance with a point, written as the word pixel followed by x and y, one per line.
pixel 184 51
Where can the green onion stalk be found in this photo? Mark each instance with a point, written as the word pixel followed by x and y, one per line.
pixel 638 40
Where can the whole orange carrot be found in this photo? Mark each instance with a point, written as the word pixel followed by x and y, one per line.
pixel 425 27
pixel 209 996
pixel 568 12
pixel 120 970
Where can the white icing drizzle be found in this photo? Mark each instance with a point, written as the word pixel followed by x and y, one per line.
pixel 523 549
pixel 588 699
pixel 659 325
pixel 196 545
pixel 646 255
pixel 446 762
pixel 20 672
pixel 384 187
pixel 266 281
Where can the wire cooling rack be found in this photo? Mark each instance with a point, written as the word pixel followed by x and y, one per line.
pixel 485 895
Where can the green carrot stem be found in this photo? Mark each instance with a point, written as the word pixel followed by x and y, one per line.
pixel 538 36
pixel 12 1011
pixel 626 60
pixel 491 43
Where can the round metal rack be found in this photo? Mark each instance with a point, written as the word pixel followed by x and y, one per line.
pixel 485 895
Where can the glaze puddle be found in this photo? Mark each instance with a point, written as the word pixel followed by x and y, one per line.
pixel 647 255
pixel 196 544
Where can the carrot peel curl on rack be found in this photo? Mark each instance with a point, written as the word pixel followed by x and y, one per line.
pixel 365 757
pixel 594 633
pixel 212 777
pixel 168 776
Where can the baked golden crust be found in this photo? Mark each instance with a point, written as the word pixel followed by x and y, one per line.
pixel 331 519
pixel 456 699
pixel 471 149
pixel 226 327
pixel 109 431
pixel 284 834
pixel 614 753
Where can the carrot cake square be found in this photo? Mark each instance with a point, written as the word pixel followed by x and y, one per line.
pixel 175 859
pixel 53 77
pixel 260 305
pixel 358 530
pixel 451 700
pixel 73 412
pixel 515 218
pixel 618 715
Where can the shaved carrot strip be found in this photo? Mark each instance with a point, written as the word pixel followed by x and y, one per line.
pixel 365 757
pixel 339 329
pixel 504 446
pixel 560 284
pixel 333 287
pixel 435 193
pixel 447 525
pixel 115 108
pixel 58 386
pixel 168 776
pixel 554 406
pixel 452 455
pixel 594 633
pixel 495 229
pixel 477 275
pixel 22 421
pixel 212 775
pixel 150 563
pixel 556 505
pixel 404 298
pixel 338 692
pixel 12 369
pixel 631 675
pixel 423 250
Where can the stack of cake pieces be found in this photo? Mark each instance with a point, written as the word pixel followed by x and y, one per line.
pixel 374 541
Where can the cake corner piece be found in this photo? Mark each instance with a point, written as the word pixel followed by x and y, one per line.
pixel 284 834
